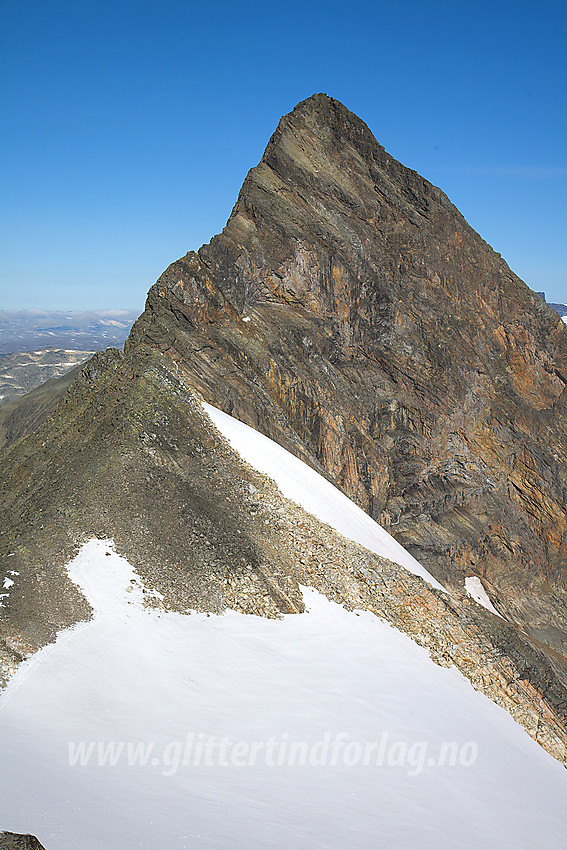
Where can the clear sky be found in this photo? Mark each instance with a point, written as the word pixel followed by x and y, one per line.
pixel 128 127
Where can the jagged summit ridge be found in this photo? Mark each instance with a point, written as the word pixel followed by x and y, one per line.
pixel 322 173
pixel 318 129
pixel 329 123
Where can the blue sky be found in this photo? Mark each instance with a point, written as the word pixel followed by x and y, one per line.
pixel 128 127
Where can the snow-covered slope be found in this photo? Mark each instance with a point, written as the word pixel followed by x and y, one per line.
pixel 311 491
pixel 320 730
pixel 475 589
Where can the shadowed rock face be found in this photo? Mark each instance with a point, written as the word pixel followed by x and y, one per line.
pixel 349 312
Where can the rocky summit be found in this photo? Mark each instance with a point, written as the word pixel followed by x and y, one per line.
pixel 350 313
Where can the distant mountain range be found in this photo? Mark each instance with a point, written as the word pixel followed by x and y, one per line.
pixel 559 308
pixel 20 373
pixel 27 330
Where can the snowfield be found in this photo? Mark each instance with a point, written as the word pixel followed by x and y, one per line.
pixel 330 688
pixel 329 729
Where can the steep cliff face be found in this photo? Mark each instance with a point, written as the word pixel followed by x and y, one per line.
pixel 348 311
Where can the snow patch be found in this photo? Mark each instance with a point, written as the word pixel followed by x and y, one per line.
pixel 6 585
pixel 315 494
pixel 475 589
pixel 105 578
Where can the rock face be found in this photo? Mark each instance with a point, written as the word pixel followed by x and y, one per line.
pixel 14 841
pixel 349 312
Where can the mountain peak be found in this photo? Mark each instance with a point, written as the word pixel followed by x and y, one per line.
pixel 321 122
pixel 325 110
pixel 364 325
pixel 324 179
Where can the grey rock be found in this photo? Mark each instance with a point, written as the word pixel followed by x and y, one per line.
pixel 15 841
